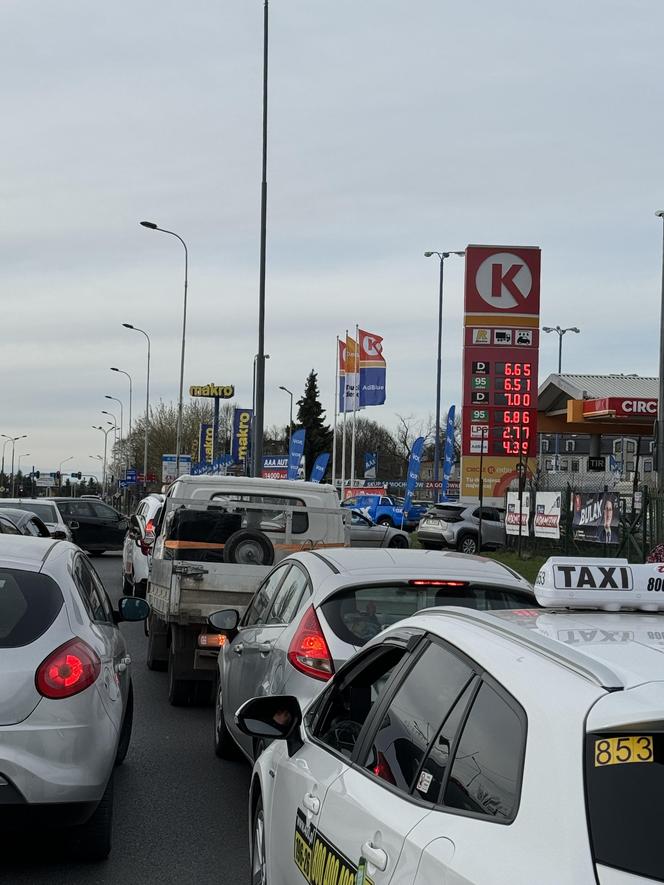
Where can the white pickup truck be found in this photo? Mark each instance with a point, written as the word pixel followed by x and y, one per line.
pixel 217 538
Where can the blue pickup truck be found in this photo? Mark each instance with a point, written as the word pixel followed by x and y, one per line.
pixel 386 510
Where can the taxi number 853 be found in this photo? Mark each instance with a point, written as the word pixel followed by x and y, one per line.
pixel 621 750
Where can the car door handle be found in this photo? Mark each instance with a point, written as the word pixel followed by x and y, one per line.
pixel 376 856
pixel 265 648
pixel 311 803
pixel 238 649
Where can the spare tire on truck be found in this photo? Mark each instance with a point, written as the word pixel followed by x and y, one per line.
pixel 249 547
pixel 200 535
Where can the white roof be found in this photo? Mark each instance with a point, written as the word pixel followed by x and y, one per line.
pixel 25 552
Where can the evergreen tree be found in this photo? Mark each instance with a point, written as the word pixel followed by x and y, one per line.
pixel 310 416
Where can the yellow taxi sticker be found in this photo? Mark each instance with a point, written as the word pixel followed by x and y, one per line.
pixel 320 862
pixel 622 750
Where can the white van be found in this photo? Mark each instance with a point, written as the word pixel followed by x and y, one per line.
pixel 217 538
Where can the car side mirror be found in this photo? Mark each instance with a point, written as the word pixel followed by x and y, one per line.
pixel 131 608
pixel 275 717
pixel 225 621
pixel 73 525
pixel 59 535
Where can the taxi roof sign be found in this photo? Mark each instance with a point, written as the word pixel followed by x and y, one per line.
pixel 598 583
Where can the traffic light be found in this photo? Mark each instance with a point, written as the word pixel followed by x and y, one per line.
pixel 77 475
pixel 37 474
pixel 58 475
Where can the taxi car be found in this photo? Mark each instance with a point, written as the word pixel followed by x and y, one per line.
pixel 469 747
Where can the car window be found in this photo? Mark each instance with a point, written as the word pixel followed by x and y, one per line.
pixel 287 600
pixel 359 519
pixel 415 715
pixel 46 512
pixel 33 528
pixel 269 518
pixel 624 787
pixel 8 528
pixel 92 591
pixel 349 702
pixel 486 772
pixel 357 614
pixel 350 502
pixel 104 512
pixel 29 604
pixel 76 509
pixel 260 604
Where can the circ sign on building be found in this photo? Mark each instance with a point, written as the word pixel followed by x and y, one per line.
pixel 218 391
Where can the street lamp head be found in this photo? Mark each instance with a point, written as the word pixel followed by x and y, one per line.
pixel 149 224
pixel 574 329
pixel 104 412
pixel 114 369
pixel 660 213
pixel 128 325
pixel 428 254
pixel 106 396
pixel 548 329
pixel 461 252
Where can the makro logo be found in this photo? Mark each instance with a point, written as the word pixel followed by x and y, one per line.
pixel 639 406
pixel 244 426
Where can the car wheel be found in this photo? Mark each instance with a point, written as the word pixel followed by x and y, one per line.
pixel 224 745
pixel 385 520
pixel 127 586
pixel 92 840
pixel 398 541
pixel 141 589
pixel 178 689
pixel 258 860
pixel 468 545
pixel 125 733
pixel 249 547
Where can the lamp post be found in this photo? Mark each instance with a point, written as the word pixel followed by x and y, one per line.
pixel 559 332
pixel 122 372
pixel 259 412
pixel 252 466
pixel 147 404
pixel 8 439
pixel 660 407
pixel 116 400
pixel 436 445
pixel 13 440
pixel 105 432
pixel 70 458
pixel 22 455
pixel 178 441
pixel 290 423
pixel 115 424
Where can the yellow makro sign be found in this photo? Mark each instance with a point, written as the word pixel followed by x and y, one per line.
pixel 220 391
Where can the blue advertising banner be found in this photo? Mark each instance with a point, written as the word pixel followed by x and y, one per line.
pixel 219 466
pixel 320 467
pixel 295 453
pixel 370 464
pixel 448 459
pixel 241 442
pixel 413 472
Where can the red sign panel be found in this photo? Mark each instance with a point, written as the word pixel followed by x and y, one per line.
pixel 621 407
pixel 501 347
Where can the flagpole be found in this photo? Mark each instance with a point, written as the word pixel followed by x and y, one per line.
pixel 336 411
pixel 343 403
pixel 356 397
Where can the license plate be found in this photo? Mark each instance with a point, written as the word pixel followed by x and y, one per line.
pixel 433 522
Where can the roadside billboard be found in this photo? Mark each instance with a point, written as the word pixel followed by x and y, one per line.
pixel 512 514
pixel 275 467
pixel 241 442
pixel 168 467
pixel 546 523
pixel 596 517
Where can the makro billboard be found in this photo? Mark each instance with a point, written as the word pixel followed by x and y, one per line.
pixel 217 391
pixel 241 443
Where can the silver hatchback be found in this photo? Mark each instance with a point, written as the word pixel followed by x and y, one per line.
pixel 457 526
pixel 316 609
pixel 66 701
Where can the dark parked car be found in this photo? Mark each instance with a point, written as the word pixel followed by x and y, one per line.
pixel 22 522
pixel 95 526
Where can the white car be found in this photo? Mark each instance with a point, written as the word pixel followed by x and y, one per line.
pixel 137 547
pixel 46 510
pixel 466 747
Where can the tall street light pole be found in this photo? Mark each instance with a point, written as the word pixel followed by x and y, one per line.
pixel 559 332
pixel 13 440
pixel 259 414
pixel 116 400
pixel 436 446
pixel 70 458
pixel 8 439
pixel 290 423
pixel 147 405
pixel 122 372
pixel 105 432
pixel 178 441
pixel 660 408
pixel 115 422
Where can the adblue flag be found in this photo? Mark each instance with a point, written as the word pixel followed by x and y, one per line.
pixel 295 453
pixel 372 369
pixel 448 460
pixel 413 472
pixel 320 466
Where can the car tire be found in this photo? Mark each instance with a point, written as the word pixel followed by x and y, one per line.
pixel 258 860
pixel 95 552
pixel 140 589
pixel 125 731
pixel 385 520
pixel 249 547
pixel 398 541
pixel 127 586
pixel 91 841
pixel 153 660
pixel 224 745
pixel 468 544
pixel 178 689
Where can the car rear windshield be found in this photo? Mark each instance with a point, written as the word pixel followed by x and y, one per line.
pixel 357 614
pixel 446 512
pixel 29 603
pixel 46 512
pixel 624 788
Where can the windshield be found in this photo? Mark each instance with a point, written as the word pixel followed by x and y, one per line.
pixel 357 614
pixel 624 786
pixel 46 512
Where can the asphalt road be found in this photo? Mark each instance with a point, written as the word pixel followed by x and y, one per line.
pixel 180 813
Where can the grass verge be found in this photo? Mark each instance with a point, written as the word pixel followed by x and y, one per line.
pixel 528 566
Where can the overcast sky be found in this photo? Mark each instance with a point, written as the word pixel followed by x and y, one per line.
pixel 395 127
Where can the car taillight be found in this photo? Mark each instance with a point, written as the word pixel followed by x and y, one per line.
pixel 436 583
pixel 68 670
pixel 146 542
pixel 308 651
pixel 149 527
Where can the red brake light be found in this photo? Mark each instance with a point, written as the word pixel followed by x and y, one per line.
pixel 68 670
pixel 308 651
pixel 149 526
pixel 437 583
